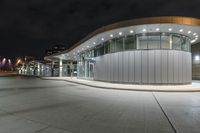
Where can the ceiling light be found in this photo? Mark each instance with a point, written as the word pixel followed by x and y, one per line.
pixel 197 58
pixel 189 32
pixel 120 33
pixel 193 41
pixel 181 30
pixel 111 35
pixel 131 31
pixel 195 34
pixel 170 29
pixel 94 42
pixel 88 46
pixel 144 30
pixel 157 29
pixel 102 39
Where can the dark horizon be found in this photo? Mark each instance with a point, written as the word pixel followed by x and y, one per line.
pixel 31 27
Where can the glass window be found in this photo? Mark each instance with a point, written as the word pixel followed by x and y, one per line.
pixel 112 46
pixel 129 43
pixel 184 43
pixel 176 42
pixel 165 42
pixel 119 42
pixel 106 47
pixel 142 42
pixel 189 44
pixel 154 42
pixel 99 50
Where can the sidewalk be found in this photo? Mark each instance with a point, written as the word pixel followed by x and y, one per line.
pixel 194 87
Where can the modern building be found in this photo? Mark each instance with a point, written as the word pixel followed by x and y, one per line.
pixel 154 50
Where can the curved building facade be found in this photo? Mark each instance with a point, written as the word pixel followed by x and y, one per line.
pixel 142 51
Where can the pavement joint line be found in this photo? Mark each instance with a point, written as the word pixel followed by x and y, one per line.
pixel 165 114
pixel 111 88
pixel 42 129
pixel 35 121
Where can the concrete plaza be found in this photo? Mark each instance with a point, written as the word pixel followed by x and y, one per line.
pixel 32 105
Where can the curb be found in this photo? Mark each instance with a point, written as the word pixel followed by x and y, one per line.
pixel 126 89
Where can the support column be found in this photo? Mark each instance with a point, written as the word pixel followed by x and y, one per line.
pixel 71 69
pixel 60 67
pixel 38 71
pixel 52 68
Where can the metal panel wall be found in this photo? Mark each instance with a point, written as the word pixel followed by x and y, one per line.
pixel 176 67
pixel 158 70
pixel 125 66
pixel 164 55
pixel 151 67
pixel 180 68
pixel 120 59
pixel 115 67
pixel 170 67
pixel 144 66
pixel 131 67
pixel 138 66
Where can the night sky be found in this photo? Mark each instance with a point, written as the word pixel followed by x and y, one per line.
pixel 29 27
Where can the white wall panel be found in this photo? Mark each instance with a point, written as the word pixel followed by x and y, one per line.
pixel 170 66
pixel 164 66
pixel 138 67
pixel 144 66
pixel 176 67
pixel 185 60
pixel 111 67
pixel 120 60
pixel 180 64
pixel 151 66
pixel 115 67
pixel 131 66
pixel 125 66
pixel 158 71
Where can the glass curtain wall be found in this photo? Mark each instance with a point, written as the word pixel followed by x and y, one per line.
pixel 131 42
pixel 85 66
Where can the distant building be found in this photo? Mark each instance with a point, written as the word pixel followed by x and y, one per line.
pixel 55 49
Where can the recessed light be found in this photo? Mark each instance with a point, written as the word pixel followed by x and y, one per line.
pixel 102 39
pixel 111 35
pixel 144 30
pixel 88 46
pixel 181 30
pixel 131 31
pixel 189 32
pixel 197 57
pixel 195 34
pixel 157 29
pixel 170 29
pixel 120 33
pixel 94 42
pixel 193 41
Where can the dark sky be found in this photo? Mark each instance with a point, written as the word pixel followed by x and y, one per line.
pixel 29 27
